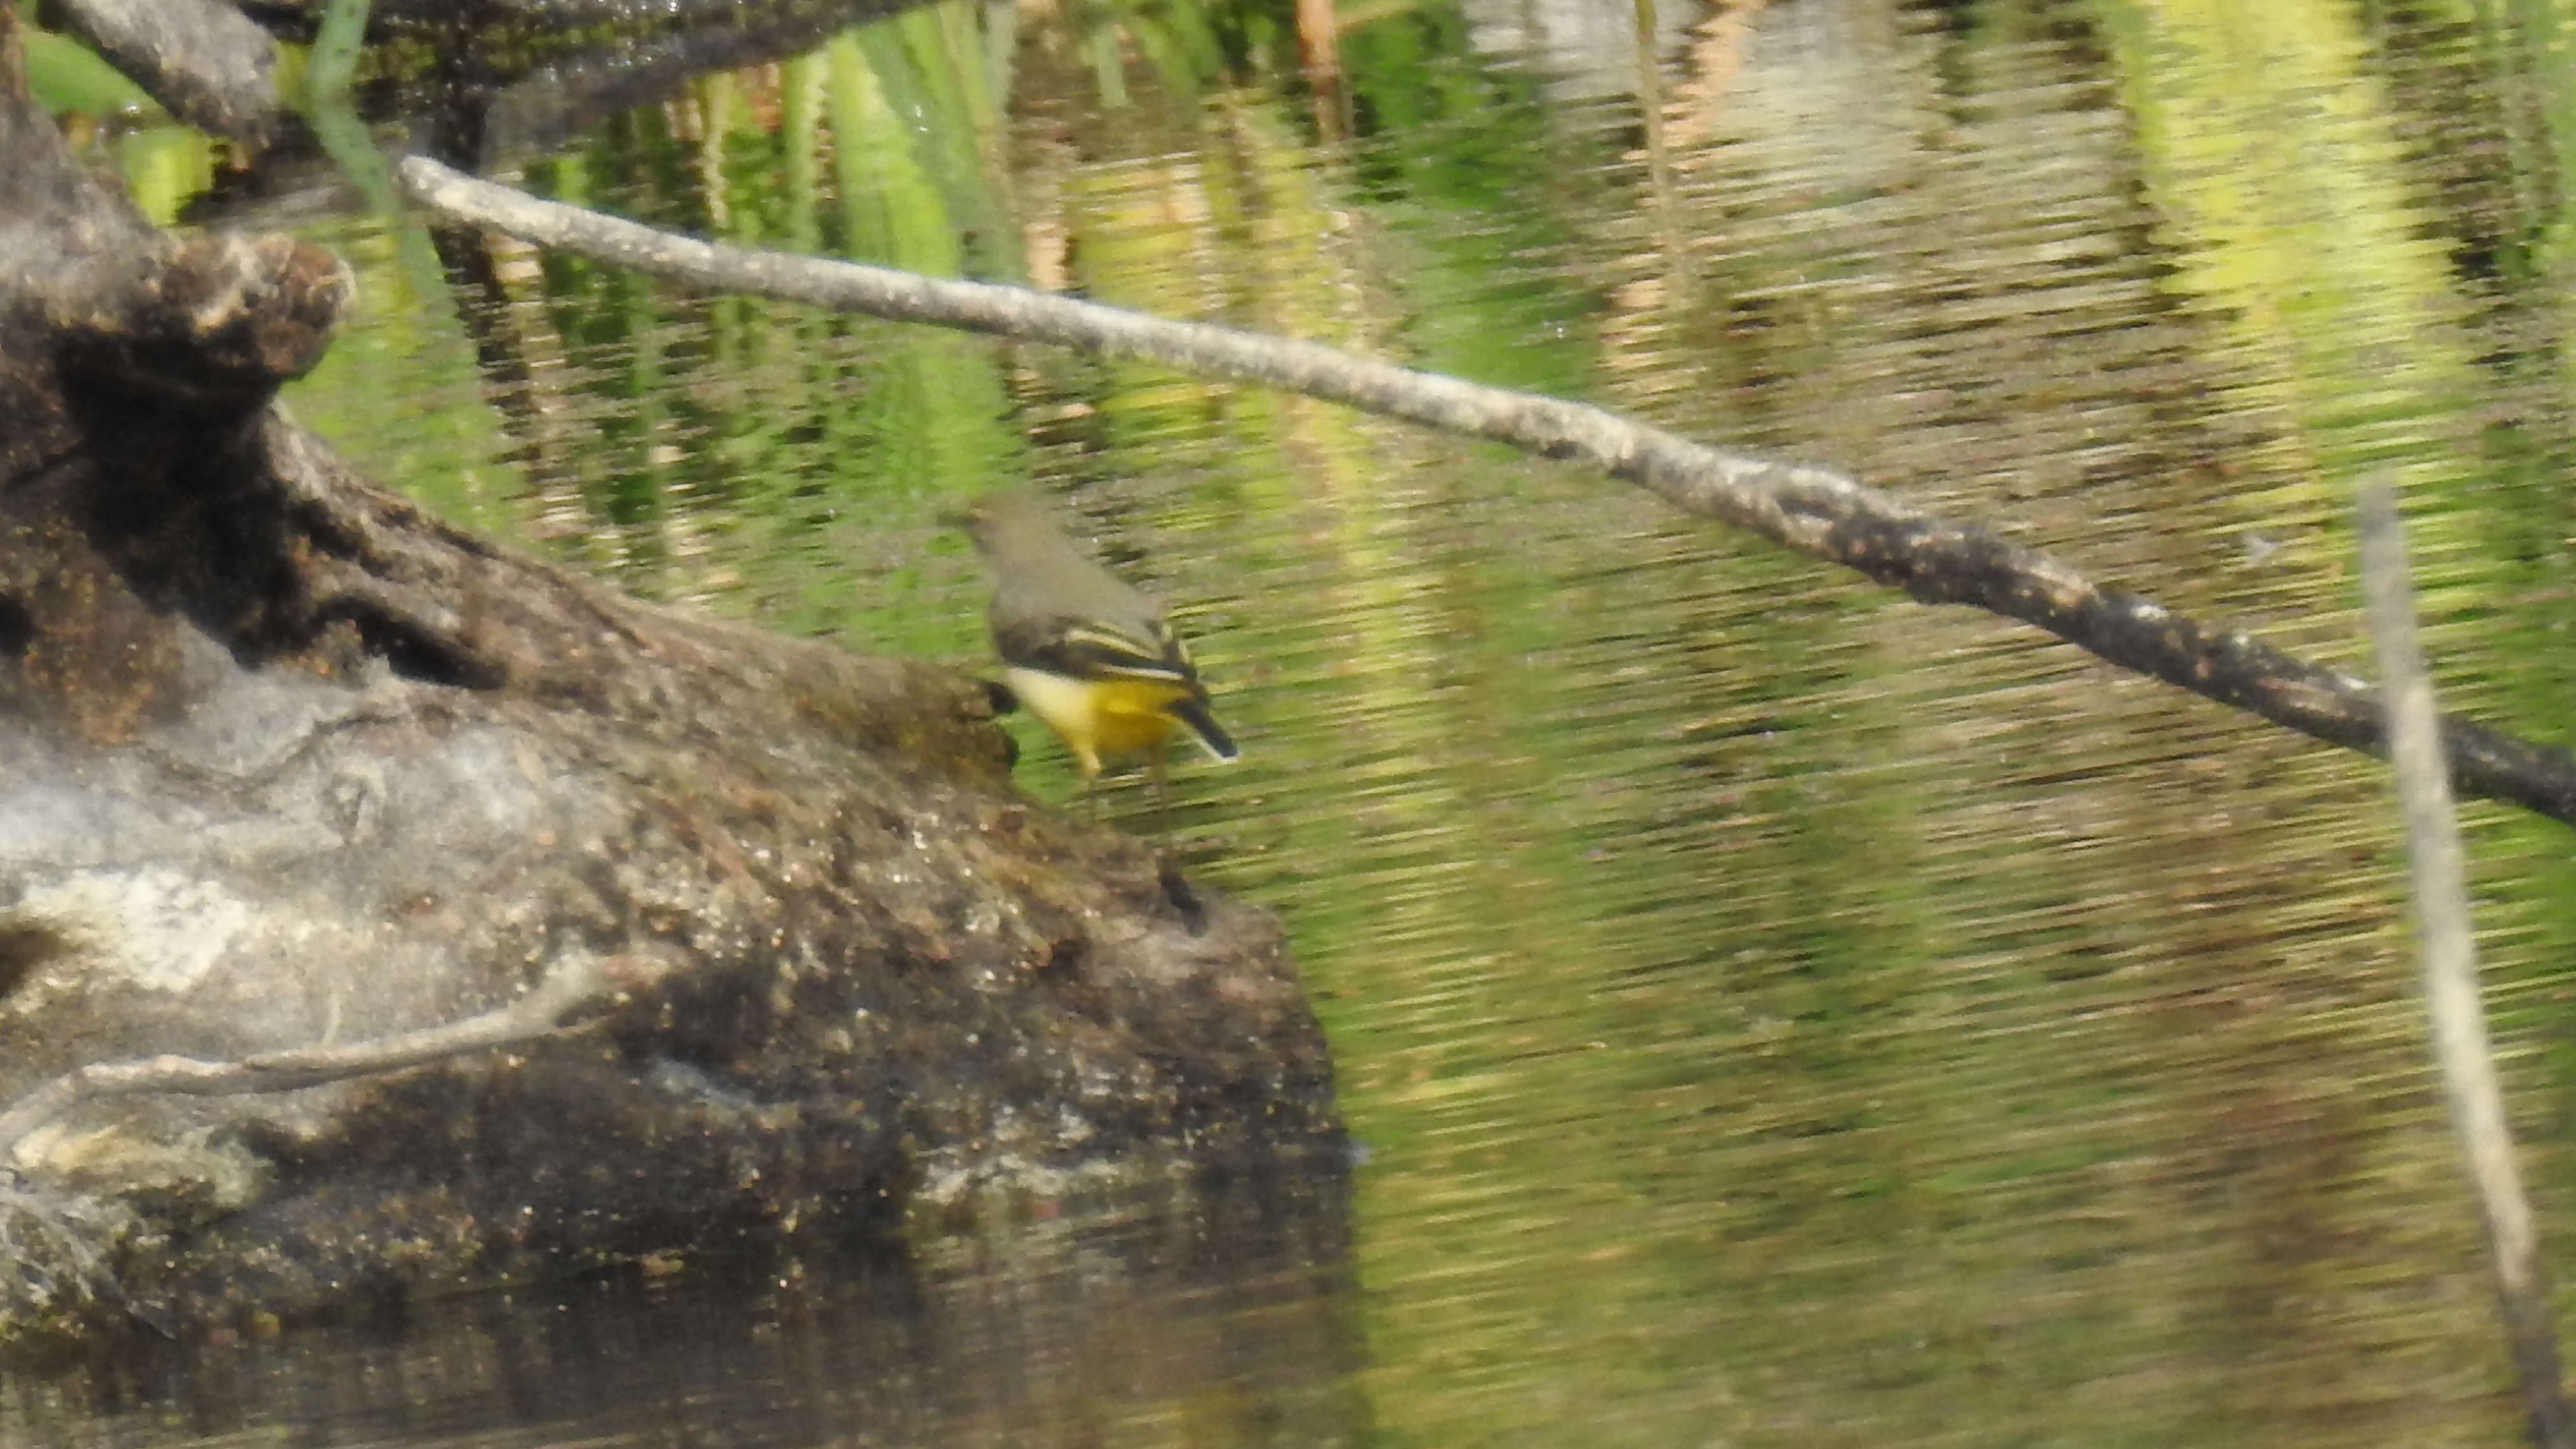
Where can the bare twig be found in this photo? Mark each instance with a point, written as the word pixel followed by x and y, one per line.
pixel 2451 999
pixel 572 981
pixel 1816 511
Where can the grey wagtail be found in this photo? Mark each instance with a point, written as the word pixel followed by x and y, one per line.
pixel 1091 657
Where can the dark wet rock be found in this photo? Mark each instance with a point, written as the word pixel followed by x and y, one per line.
pixel 289 767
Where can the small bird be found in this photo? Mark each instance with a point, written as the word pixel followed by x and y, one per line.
pixel 1091 657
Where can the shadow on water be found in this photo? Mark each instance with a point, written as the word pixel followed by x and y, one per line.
pixel 1779 1013
pixel 1225 1320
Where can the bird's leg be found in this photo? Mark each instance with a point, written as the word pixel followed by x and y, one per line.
pixel 1167 861
pixel 1159 775
pixel 1089 764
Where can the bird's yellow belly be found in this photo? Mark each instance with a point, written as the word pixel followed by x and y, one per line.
pixel 1102 717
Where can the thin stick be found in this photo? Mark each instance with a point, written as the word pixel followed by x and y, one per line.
pixel 1816 511
pixel 572 981
pixel 2451 997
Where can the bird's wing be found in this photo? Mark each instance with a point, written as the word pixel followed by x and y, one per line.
pixel 1092 649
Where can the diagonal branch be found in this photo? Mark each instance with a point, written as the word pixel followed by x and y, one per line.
pixel 203 59
pixel 1817 511
pixel 573 981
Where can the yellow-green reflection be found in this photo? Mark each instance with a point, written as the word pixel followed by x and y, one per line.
pixel 399 392
pixel 2274 170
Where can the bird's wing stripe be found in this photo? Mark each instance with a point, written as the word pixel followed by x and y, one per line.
pixel 1116 651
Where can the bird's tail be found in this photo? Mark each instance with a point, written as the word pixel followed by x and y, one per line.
pixel 1202 722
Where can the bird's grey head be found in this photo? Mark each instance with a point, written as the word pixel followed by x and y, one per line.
pixel 1006 514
